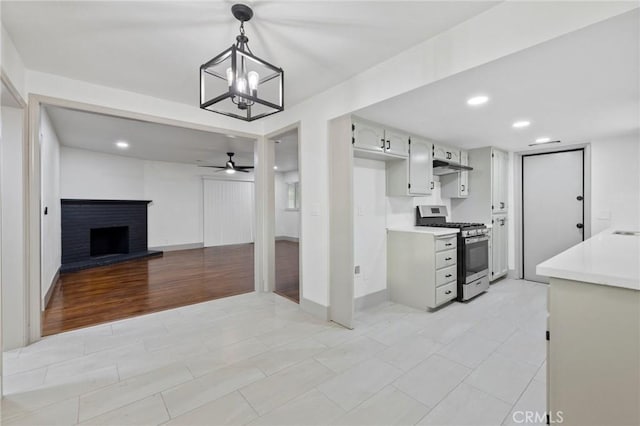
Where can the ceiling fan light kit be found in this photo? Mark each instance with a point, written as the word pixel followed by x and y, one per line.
pixel 238 84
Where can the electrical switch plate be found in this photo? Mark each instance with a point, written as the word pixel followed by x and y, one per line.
pixel 357 269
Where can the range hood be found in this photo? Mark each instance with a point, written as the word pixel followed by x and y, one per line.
pixel 441 167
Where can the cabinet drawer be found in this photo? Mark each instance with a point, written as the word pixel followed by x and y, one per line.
pixel 447 243
pixel 446 293
pixel 445 258
pixel 446 275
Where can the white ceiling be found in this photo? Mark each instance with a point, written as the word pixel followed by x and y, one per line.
pixel 156 48
pixel 147 141
pixel 578 88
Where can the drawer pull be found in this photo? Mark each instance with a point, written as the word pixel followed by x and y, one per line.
pixel 448 244
pixel 448 276
pixel 448 258
pixel 447 292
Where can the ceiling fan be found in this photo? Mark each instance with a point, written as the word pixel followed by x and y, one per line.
pixel 230 167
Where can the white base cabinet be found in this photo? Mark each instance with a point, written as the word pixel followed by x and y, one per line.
pixel 421 268
pixel 593 354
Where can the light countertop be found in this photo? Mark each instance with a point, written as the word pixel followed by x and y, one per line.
pixel 425 230
pixel 606 259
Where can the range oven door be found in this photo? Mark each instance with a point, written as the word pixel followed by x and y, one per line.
pixel 475 258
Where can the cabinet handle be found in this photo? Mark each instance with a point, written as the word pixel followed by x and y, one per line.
pixel 448 244
pixel 383 141
pixel 448 258
pixel 463 188
pixel 432 185
pixel 501 204
pixel 448 276
pixel 447 292
pixel 448 155
pixel 388 144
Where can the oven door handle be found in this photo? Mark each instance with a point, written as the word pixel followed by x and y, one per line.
pixel 476 239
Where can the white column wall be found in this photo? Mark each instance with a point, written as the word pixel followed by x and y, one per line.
pixel 13 244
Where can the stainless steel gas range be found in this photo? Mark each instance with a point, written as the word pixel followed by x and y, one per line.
pixel 473 250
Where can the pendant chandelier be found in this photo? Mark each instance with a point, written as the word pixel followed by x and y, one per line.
pixel 239 84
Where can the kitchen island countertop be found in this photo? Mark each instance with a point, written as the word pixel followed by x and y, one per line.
pixel 607 259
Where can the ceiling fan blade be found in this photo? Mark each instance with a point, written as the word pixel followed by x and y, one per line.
pixel 243 167
pixel 213 167
pixel 240 170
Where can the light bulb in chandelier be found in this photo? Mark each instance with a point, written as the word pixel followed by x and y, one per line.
pixel 253 78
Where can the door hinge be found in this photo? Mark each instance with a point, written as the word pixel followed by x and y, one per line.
pixel 547 335
pixel 409 141
pixel 492 155
pixel 353 127
pixel 353 141
pixel 409 185
pixel 492 208
pixel 548 419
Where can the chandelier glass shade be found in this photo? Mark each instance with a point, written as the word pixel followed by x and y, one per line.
pixel 239 84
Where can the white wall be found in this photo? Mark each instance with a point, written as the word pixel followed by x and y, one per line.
pixel 51 247
pixel 502 30
pixel 176 213
pixel 13 261
pixel 287 221
pixel 370 226
pixel 615 184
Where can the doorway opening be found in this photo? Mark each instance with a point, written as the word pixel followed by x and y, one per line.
pixel 287 203
pixel 554 203
pixel 139 216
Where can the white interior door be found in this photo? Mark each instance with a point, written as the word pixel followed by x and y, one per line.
pixel 228 212
pixel 552 207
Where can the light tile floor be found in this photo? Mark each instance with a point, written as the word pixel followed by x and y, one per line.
pixel 257 359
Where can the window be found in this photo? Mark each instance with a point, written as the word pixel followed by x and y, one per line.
pixel 293 196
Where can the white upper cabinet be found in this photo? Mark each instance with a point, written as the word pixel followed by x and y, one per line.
pixel 397 143
pixel 499 180
pixel 456 185
pixel 445 153
pixel 412 177
pixel 372 137
pixel 368 136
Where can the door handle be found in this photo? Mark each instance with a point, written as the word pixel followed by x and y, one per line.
pixel 579 225
pixel 579 198
pixel 388 144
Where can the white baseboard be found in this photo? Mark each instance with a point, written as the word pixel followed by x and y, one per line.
pixel 177 247
pixel 315 309
pixel 52 287
pixel 370 300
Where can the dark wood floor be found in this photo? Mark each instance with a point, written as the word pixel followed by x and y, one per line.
pixel 287 270
pixel 137 287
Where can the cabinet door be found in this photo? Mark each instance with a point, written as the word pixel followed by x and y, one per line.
pixel 368 136
pixel 499 251
pixel 454 155
pixel 498 204
pixel 420 167
pixel 504 178
pixel 439 152
pixel 397 143
pixel 464 176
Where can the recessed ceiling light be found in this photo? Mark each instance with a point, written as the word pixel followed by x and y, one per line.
pixel 122 144
pixel 275 167
pixel 478 100
pixel 520 124
pixel 543 140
